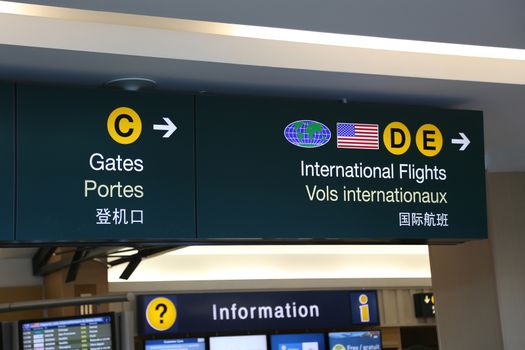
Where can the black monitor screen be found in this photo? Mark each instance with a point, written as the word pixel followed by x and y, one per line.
pixel 84 332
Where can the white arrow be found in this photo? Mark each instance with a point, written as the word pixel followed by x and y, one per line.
pixel 427 299
pixel 463 141
pixel 169 127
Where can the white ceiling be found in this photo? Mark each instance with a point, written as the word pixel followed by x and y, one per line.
pixel 385 265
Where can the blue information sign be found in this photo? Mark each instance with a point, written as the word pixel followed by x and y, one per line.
pixel 364 308
pixel 258 311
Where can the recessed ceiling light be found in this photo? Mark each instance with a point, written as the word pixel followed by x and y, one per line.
pixel 132 84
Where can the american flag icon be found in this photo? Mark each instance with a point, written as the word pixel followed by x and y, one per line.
pixel 357 136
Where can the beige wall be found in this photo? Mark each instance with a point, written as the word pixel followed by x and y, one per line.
pixel 17 272
pixel 480 286
pixel 506 205
pixel 91 278
pixel 18 294
pixel 466 299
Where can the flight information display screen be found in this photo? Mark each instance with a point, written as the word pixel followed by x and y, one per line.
pixel 79 333
pixel 361 340
pixel 243 342
pixel 306 341
pixel 176 344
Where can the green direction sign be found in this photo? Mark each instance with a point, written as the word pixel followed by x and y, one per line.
pixel 7 151
pixel 271 168
pixel 104 165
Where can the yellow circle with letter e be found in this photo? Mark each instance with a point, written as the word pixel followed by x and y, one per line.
pixel 161 314
pixel 124 125
pixel 429 140
pixel 396 138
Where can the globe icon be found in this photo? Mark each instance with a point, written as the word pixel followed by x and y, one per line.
pixel 307 133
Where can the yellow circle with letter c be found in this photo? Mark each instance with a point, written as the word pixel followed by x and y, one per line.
pixel 124 125
pixel 161 314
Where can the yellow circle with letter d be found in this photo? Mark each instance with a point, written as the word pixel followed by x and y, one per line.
pixel 161 314
pixel 124 125
pixel 396 138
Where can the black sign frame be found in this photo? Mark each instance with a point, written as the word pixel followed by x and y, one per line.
pixel 198 238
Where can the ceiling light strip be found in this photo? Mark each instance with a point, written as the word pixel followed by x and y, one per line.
pixel 265 33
